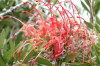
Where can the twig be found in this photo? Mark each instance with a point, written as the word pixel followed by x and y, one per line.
pixel 37 56
pixel 92 11
pixel 18 50
pixel 10 10
pixel 3 17
pixel 28 53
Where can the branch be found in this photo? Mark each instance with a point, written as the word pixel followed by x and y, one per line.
pixel 10 10
pixel 92 11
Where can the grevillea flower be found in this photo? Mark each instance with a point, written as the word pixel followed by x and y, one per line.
pixel 58 34
pixel 67 33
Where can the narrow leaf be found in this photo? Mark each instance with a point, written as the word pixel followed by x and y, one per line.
pixel 44 61
pixel 90 25
pixel 85 7
pixel 97 27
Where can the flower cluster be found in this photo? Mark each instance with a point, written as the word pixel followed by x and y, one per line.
pixel 59 31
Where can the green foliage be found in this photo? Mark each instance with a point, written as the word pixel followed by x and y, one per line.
pixel 54 1
pixel 98 20
pixel 97 27
pixel 79 64
pixel 90 25
pixel 6 4
pixel 97 6
pixel 87 2
pixel 44 61
pixel 96 49
pixel 7 48
pixel 85 6
pixel 70 56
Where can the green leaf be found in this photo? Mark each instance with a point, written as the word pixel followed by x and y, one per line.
pixel 1 42
pixel 7 30
pixel 97 27
pixel 70 56
pixel 2 61
pixel 98 20
pixel 87 2
pixel 97 52
pixel 90 25
pixel 99 40
pixel 8 54
pixel 31 53
pixel 97 7
pixel 11 2
pixel 85 7
pixel 12 44
pixel 18 38
pixel 78 64
pixel 2 39
pixel 2 5
pixel 43 61
pixel 54 1
pixel 7 22
pixel 98 59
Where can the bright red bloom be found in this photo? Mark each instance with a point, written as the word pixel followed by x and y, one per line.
pixel 58 34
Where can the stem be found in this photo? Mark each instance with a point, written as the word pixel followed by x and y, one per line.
pixel 37 56
pixel 28 54
pixel 92 11
pixel 57 62
pixel 92 14
pixel 11 9
pixel 18 50
pixel 3 17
